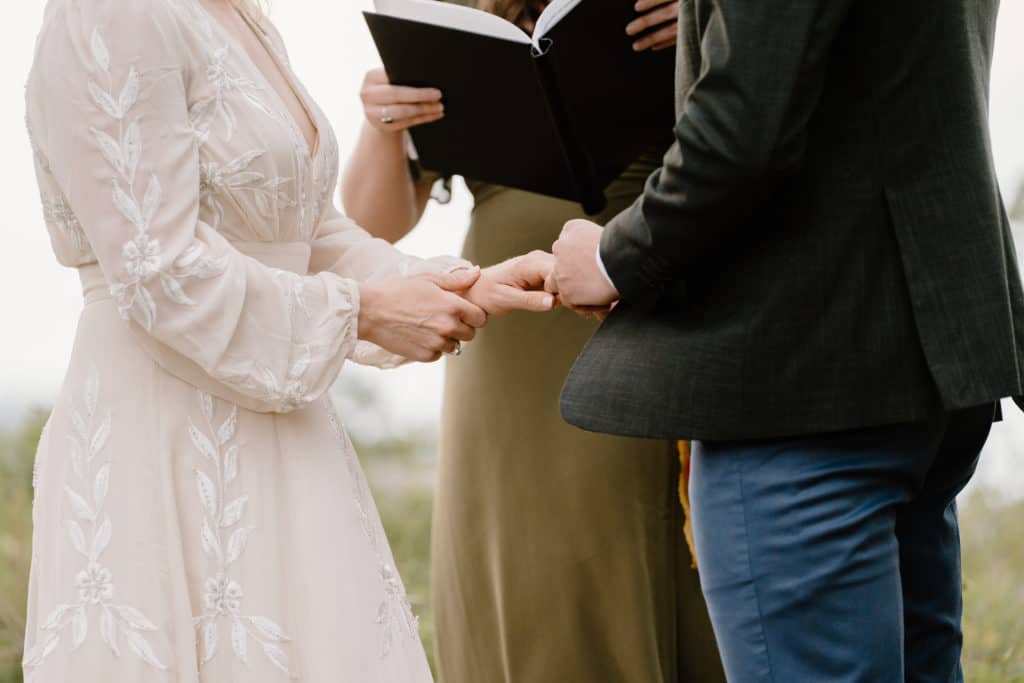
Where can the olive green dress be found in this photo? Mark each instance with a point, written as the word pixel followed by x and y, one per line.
pixel 558 555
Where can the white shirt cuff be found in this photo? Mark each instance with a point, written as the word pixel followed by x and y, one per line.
pixel 604 271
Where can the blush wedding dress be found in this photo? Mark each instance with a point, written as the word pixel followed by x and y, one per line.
pixel 199 513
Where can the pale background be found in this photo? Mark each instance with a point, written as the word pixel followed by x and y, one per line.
pixel 331 50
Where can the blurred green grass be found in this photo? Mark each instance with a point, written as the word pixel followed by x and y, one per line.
pixel 992 542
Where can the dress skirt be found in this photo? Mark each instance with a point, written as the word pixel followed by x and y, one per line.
pixel 181 538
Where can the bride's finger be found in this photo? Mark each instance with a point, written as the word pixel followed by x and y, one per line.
pixel 397 94
pixel 461 332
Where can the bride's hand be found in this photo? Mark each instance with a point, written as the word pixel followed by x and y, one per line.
pixel 515 285
pixel 663 14
pixel 420 317
pixel 393 108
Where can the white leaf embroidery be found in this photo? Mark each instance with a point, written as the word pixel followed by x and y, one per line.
pixel 77 536
pixel 201 442
pixel 135 618
pixel 76 456
pixel 104 101
pixel 148 307
pixel 108 632
pixel 236 543
pixel 79 628
pixel 269 629
pixel 151 200
pixel 92 390
pixel 230 464
pixel 210 637
pixel 79 424
pixel 35 657
pixel 207 493
pixel 81 508
pixel 144 650
pixel 99 438
pixel 101 485
pixel 127 206
pixel 174 292
pixel 211 544
pixel 100 54
pixel 205 400
pixel 110 149
pixel 132 146
pixel 130 92
pixel 239 639
pixel 56 618
pixel 233 512
pixel 227 428
pixel 101 540
pixel 277 656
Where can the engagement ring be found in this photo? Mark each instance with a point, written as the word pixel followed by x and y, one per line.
pixel 384 118
pixel 457 351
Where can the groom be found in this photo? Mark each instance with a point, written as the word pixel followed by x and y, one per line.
pixel 820 287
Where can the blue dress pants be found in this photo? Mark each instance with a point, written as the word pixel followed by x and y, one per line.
pixel 836 558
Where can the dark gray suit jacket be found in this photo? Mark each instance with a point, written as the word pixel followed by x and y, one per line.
pixel 825 247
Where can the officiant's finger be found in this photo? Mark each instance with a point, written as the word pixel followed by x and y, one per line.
pixel 401 113
pixel 658 40
pixel 662 14
pixel 419 121
pixel 398 94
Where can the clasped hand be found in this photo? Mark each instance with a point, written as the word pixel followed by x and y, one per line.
pixel 421 317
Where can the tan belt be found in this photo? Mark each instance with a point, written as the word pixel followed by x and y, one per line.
pixel 290 256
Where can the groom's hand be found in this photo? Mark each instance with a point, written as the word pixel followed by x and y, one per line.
pixel 576 277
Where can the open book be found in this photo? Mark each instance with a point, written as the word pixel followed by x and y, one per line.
pixel 562 112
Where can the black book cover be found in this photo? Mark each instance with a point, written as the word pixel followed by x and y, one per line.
pixel 563 121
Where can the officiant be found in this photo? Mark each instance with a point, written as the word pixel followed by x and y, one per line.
pixel 558 555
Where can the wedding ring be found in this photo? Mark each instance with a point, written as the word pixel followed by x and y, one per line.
pixel 384 118
pixel 457 351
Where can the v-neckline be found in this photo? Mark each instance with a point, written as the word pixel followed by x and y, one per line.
pixel 312 151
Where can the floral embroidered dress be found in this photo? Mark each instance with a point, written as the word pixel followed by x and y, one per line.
pixel 200 514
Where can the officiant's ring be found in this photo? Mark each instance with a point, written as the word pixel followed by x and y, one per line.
pixel 457 351
pixel 384 118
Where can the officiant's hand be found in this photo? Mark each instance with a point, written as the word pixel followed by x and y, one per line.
pixel 515 285
pixel 393 108
pixel 660 15
pixel 576 277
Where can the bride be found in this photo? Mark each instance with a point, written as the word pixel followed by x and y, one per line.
pixel 200 514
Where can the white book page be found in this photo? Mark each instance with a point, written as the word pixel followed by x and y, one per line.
pixel 453 16
pixel 552 14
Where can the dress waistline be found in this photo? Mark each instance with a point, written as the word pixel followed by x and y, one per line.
pixel 290 256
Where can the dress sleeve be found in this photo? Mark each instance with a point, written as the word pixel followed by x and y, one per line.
pixel 108 105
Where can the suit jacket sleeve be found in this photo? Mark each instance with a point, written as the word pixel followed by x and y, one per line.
pixel 742 130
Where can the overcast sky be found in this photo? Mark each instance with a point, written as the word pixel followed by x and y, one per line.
pixel 330 50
